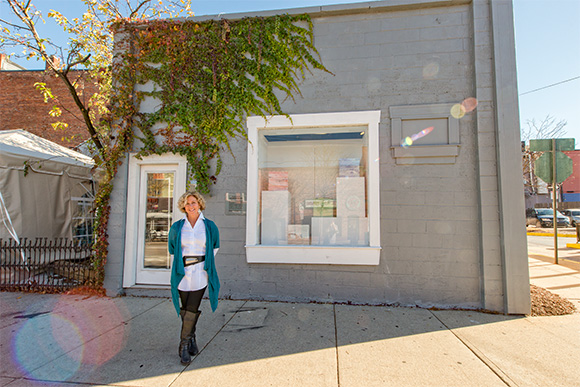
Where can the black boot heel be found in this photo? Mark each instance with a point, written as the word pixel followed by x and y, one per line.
pixel 184 352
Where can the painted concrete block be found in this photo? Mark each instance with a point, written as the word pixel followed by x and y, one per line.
pixel 430 215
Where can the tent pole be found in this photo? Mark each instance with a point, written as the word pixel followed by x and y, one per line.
pixel 10 227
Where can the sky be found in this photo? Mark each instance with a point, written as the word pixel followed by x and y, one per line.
pixel 547 34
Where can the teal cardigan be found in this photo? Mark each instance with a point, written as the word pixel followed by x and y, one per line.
pixel 178 270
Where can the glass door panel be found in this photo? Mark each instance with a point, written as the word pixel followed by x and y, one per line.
pixel 158 216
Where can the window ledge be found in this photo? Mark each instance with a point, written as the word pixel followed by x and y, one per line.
pixel 316 255
pixel 426 154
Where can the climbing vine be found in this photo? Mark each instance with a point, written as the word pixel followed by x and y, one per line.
pixel 203 79
pixel 207 76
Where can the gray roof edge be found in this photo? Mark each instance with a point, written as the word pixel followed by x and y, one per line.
pixel 336 9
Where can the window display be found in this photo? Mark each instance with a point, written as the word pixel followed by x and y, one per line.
pixel 313 189
pixel 312 185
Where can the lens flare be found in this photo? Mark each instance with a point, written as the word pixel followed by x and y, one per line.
pixel 70 336
pixel 44 338
pixel 469 104
pixel 93 317
pixel 431 70
pixel 457 111
pixel 466 106
pixel 408 141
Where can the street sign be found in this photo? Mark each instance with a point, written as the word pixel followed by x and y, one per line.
pixel 553 162
pixel 562 144
pixel 544 165
pixel 544 168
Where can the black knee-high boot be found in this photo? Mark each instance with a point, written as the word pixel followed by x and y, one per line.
pixel 193 350
pixel 188 320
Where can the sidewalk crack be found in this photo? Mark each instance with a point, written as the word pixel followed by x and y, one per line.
pixel 208 343
pixel 484 359
pixel 336 345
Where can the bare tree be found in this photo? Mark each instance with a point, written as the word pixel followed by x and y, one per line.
pixel 544 129
pixel 547 128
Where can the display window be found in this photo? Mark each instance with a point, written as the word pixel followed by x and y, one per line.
pixel 312 186
pixel 314 180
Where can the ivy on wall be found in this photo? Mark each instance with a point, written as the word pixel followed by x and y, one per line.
pixel 206 78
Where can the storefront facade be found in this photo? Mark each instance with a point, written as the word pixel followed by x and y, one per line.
pixel 395 180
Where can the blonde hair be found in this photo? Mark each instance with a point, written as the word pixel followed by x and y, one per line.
pixel 183 199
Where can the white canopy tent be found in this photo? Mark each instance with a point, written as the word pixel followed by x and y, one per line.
pixel 41 183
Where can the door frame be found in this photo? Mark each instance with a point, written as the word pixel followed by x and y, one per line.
pixel 132 237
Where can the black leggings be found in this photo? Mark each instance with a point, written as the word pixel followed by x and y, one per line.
pixel 190 301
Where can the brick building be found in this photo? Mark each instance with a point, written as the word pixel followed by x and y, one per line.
pixel 23 107
pixel 571 186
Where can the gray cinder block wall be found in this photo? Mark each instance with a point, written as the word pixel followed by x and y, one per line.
pixel 452 235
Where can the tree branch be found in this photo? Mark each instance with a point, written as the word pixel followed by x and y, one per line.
pixel 24 16
pixel 82 108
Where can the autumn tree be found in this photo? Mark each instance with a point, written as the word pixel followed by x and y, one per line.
pixel 229 69
pixel 90 47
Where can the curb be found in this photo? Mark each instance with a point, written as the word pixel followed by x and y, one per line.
pixel 551 234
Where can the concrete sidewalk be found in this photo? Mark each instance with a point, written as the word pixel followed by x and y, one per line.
pixel 562 279
pixel 47 340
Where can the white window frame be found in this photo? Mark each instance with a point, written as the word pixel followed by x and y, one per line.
pixel 90 218
pixel 424 154
pixel 132 237
pixel 334 255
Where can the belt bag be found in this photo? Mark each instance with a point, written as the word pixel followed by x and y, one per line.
pixel 192 260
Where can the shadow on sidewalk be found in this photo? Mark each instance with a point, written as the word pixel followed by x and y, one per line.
pixel 562 261
pixel 134 340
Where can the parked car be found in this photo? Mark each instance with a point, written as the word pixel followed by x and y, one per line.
pixel 544 217
pixel 573 215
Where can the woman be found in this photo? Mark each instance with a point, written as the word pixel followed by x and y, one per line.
pixel 193 242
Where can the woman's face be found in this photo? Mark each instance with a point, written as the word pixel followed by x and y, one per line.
pixel 191 206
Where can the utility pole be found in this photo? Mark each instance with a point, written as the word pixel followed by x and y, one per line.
pixel 553 166
pixel 554 209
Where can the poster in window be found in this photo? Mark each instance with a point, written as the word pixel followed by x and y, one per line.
pixel 350 197
pixel 349 167
pixel 275 217
pixel 278 181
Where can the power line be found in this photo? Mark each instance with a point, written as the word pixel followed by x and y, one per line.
pixel 553 84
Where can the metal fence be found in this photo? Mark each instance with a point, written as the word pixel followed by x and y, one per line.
pixel 560 205
pixel 45 265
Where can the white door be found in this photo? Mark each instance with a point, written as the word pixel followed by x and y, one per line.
pixel 154 188
pixel 156 209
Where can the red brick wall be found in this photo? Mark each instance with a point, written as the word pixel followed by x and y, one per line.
pixel 572 184
pixel 23 107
